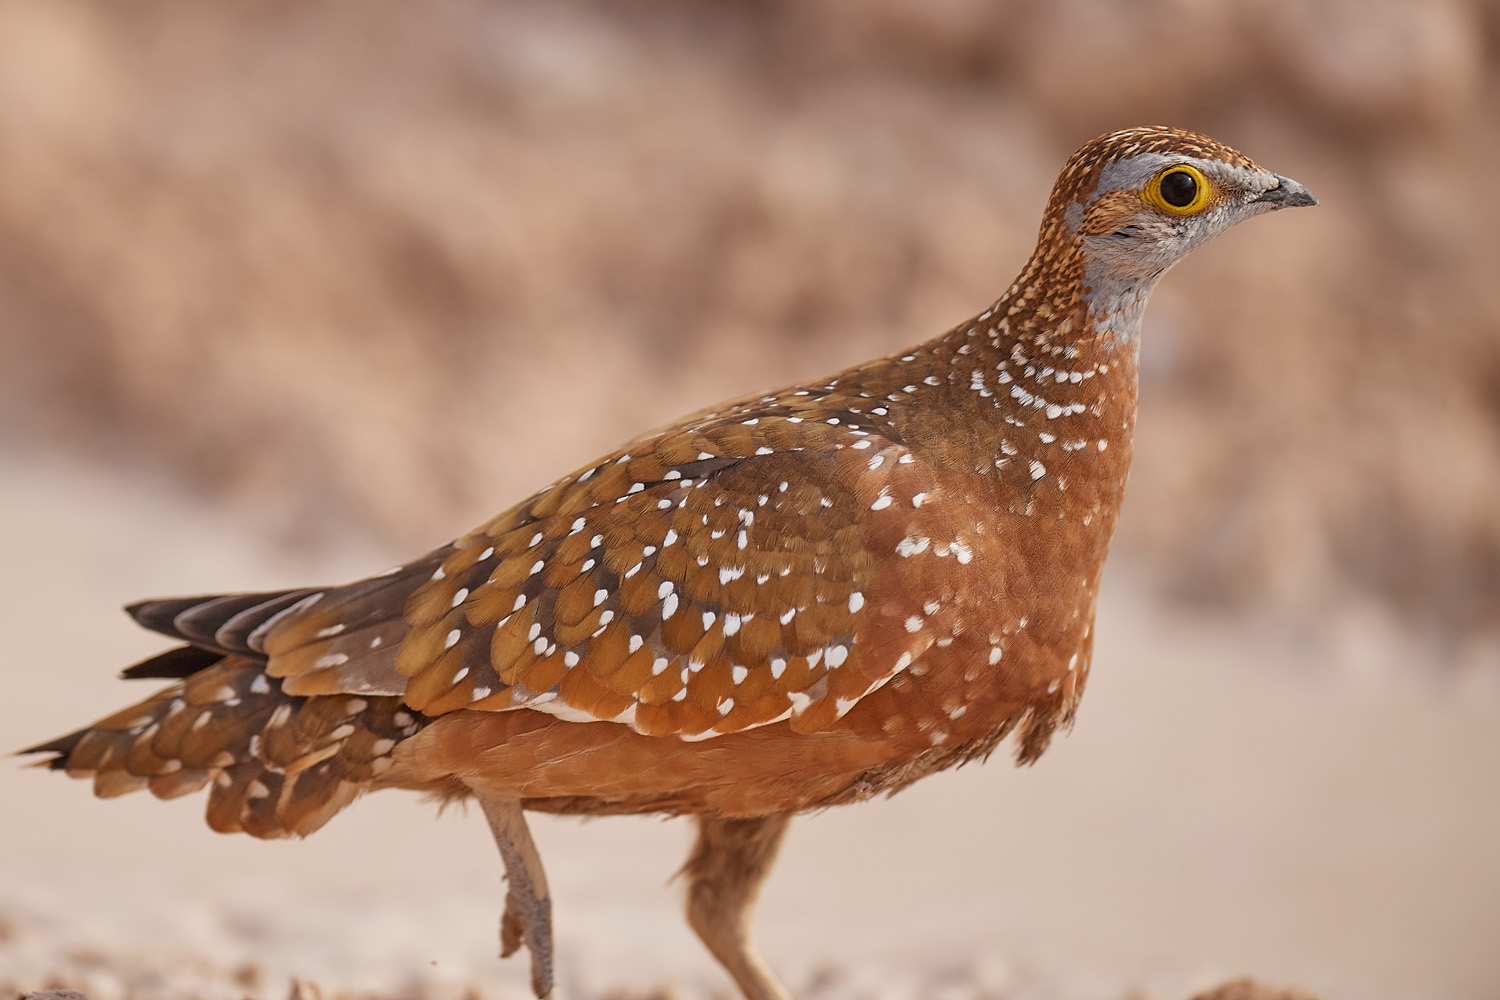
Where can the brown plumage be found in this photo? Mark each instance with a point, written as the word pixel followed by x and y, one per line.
pixel 801 598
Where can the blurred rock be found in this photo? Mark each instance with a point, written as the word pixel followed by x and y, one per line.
pixel 1250 989
pixel 302 989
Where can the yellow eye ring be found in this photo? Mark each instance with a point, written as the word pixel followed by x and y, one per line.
pixel 1180 189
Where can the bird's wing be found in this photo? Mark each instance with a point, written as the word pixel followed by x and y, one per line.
pixel 709 579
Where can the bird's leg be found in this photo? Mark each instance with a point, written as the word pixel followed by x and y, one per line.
pixel 528 905
pixel 725 871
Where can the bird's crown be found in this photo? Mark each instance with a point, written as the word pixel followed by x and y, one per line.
pixel 1080 176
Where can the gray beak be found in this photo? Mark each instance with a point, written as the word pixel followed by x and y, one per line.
pixel 1286 194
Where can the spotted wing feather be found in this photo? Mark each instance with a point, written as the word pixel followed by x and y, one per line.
pixel 710 579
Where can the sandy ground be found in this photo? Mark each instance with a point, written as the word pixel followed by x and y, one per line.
pixel 1233 800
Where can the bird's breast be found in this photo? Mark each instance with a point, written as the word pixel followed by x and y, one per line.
pixel 994 570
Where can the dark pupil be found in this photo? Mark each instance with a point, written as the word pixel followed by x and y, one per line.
pixel 1179 188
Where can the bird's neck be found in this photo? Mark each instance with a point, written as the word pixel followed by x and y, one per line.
pixel 1050 365
pixel 1066 296
pixel 1063 330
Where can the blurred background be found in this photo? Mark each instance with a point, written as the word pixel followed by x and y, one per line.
pixel 301 289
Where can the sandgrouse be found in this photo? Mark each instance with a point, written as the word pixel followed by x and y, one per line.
pixel 801 598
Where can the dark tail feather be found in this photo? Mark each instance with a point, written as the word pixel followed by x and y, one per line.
pixel 238 624
pixel 226 623
pixel 182 661
pixel 62 747
pixel 160 616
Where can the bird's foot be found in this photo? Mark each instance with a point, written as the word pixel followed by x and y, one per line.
pixel 528 920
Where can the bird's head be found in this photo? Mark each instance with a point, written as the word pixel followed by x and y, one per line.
pixel 1130 204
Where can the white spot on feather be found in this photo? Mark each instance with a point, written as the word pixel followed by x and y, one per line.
pixel 912 545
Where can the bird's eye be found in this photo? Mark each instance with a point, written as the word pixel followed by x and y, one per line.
pixel 1181 190
pixel 1178 189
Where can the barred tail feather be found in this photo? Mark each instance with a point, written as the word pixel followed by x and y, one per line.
pixel 277 765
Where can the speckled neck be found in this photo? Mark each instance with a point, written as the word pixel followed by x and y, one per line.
pixel 1063 281
pixel 1029 383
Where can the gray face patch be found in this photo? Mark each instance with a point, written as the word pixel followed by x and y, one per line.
pixel 1124 265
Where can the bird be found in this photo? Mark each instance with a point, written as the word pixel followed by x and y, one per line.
pixel 793 600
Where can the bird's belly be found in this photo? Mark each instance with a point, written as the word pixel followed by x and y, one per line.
pixel 607 767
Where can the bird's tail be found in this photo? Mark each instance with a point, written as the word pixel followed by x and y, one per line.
pixel 277 765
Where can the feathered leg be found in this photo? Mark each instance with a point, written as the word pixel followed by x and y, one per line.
pixel 729 862
pixel 528 905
